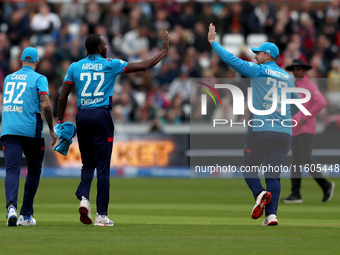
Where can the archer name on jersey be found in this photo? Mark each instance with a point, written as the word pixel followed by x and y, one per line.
pixel 94 78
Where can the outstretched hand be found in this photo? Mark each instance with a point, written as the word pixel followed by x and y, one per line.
pixel 211 33
pixel 166 41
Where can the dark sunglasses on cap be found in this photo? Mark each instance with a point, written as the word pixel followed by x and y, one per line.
pixel 297 68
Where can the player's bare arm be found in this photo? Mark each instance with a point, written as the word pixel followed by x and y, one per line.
pixel 150 62
pixel 211 33
pixel 48 113
pixel 65 91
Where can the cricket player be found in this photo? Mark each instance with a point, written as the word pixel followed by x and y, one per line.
pixel 93 78
pixel 25 95
pixel 271 141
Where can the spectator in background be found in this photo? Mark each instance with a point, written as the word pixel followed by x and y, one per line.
pixel 93 16
pixel 115 21
pixel 316 15
pixel 101 30
pixel 45 25
pixel 5 52
pixel 327 53
pixel 306 30
pixel 234 20
pixel 174 9
pixel 292 52
pixel 75 51
pixel 180 86
pixel 179 40
pixel 134 41
pixel 166 74
pixel 125 106
pixel 83 33
pixel 50 58
pixel 149 110
pixel 72 11
pixel 19 26
pixel 303 135
pixel 188 18
pixel 333 81
pixel 280 36
pixel 261 20
pixel 162 21
pixel 200 43
pixel 207 16
pixel 175 113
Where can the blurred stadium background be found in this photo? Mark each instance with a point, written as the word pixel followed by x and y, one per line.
pixel 152 109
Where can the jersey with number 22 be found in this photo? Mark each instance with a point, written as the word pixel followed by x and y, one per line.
pixel 94 78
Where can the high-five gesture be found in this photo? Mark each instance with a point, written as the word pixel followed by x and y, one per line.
pixel 211 33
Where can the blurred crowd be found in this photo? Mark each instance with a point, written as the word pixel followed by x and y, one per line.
pixel 133 31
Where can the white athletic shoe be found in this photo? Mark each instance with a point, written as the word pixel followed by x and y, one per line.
pixel 103 221
pixel 262 199
pixel 270 220
pixel 85 211
pixel 26 221
pixel 11 216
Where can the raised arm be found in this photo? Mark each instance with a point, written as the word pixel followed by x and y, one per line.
pixel 248 69
pixel 48 113
pixel 150 62
pixel 65 91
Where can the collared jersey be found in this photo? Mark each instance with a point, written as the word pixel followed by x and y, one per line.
pixel 94 78
pixel 263 78
pixel 314 106
pixel 21 103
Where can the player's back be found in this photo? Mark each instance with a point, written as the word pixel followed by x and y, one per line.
pixel 269 84
pixel 94 78
pixel 21 104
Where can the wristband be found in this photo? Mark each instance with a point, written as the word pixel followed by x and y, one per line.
pixel 60 121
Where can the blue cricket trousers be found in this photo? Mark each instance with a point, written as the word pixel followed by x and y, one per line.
pixel 95 137
pixel 33 148
pixel 272 148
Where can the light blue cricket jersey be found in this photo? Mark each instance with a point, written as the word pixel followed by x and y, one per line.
pixel 263 78
pixel 21 103
pixel 94 78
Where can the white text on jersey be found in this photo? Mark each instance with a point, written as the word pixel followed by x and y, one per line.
pixel 91 66
pixel 19 77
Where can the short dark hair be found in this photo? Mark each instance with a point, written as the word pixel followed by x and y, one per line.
pixel 28 58
pixel 92 43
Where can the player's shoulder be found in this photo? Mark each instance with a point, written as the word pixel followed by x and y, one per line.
pixel 77 64
pixel 116 61
pixel 40 77
pixel 9 76
pixel 275 71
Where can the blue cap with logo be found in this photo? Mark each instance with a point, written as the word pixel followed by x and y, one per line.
pixel 30 54
pixel 267 47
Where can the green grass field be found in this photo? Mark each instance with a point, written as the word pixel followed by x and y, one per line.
pixel 174 216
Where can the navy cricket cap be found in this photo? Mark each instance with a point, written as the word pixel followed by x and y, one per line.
pixel 30 52
pixel 267 47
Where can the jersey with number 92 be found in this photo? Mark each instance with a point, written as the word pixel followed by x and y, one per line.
pixel 94 78
pixel 21 103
